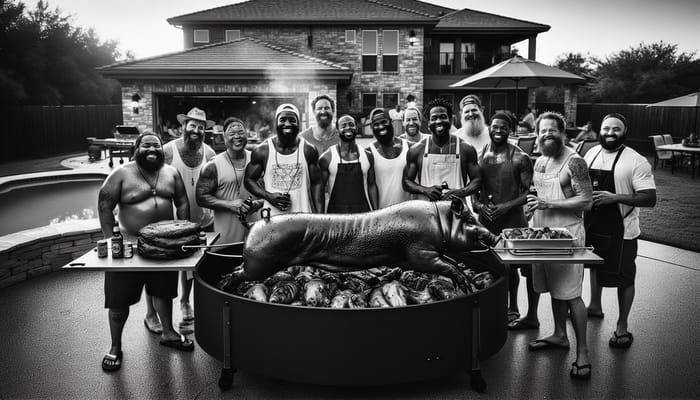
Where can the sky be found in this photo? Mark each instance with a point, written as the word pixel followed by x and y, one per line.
pixel 596 27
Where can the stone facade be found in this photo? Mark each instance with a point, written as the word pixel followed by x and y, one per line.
pixel 305 89
pixel 41 256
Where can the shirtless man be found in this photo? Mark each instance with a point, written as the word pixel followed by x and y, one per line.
pixel 387 155
pixel 145 191
pixel 289 168
pixel 474 129
pixel 324 134
pixel 441 157
pixel 411 125
pixel 188 154
pixel 347 172
pixel 564 192
pixel 506 174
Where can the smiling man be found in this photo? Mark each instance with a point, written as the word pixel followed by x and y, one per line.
pixel 220 185
pixel 474 129
pixel 622 182
pixel 324 134
pixel 441 157
pixel 411 124
pixel 288 166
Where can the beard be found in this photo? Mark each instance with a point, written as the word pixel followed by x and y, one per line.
pixel 347 137
pixel 386 138
pixel 473 126
pixel 550 149
pixel 294 133
pixel 611 145
pixel 445 128
pixel 141 158
pixel 193 142
pixel 324 123
pixel 412 129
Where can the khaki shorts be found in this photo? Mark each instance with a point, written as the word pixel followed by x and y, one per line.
pixel 562 281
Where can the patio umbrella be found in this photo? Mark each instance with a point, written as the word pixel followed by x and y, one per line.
pixel 522 72
pixel 688 101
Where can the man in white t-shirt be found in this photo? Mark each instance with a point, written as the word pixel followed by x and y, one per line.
pixel 396 115
pixel 622 181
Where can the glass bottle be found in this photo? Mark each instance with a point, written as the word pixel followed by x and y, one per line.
pixel 117 241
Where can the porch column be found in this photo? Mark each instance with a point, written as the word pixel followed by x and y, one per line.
pixel 570 100
pixel 532 47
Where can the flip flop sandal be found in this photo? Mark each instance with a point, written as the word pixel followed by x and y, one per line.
pixel 155 328
pixel 112 362
pixel 544 344
pixel 625 343
pixel 576 369
pixel 522 324
pixel 512 316
pixel 182 344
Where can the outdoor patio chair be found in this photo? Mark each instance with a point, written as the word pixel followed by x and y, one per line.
pixel 583 147
pixel 664 155
pixel 527 144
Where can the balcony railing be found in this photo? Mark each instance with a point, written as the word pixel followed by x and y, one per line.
pixel 449 63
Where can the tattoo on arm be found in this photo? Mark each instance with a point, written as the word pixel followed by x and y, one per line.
pixel 580 180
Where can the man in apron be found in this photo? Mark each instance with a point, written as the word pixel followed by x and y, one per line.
pixel 506 174
pixel 347 173
pixel 441 157
pixel 220 186
pixel 289 168
pixel 563 193
pixel 622 181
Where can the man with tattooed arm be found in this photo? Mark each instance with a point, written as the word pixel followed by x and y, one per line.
pixel 564 192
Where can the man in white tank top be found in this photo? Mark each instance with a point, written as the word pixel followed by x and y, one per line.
pixel 387 155
pixel 188 155
pixel 441 157
pixel 220 186
pixel 289 168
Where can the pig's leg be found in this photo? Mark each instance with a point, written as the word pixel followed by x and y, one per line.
pixel 431 261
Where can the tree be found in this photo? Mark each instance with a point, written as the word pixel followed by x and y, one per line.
pixel 46 60
pixel 645 74
pixel 577 64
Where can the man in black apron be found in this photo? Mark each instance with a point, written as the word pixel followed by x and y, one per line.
pixel 348 173
pixel 620 176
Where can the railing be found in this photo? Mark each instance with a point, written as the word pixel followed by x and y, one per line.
pixel 447 63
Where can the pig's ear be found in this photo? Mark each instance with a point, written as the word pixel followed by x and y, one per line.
pixel 457 206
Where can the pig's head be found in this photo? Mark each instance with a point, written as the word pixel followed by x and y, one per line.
pixel 467 233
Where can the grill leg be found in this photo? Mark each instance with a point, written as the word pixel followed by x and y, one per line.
pixel 227 372
pixel 475 379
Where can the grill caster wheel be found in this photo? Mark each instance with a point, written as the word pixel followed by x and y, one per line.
pixel 226 379
pixel 477 381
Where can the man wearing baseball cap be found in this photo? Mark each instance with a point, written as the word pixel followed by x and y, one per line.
pixel 288 166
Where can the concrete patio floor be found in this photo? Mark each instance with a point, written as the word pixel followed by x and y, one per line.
pixel 55 333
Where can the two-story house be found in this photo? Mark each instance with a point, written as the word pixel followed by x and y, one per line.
pixel 244 59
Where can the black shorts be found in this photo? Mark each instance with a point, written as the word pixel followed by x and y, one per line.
pixel 628 269
pixel 123 289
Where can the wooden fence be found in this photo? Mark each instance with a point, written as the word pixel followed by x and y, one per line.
pixel 42 131
pixel 643 121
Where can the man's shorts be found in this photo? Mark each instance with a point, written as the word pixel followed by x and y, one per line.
pixel 122 289
pixel 562 281
pixel 628 269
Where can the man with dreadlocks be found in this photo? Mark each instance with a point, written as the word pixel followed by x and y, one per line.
pixel 441 158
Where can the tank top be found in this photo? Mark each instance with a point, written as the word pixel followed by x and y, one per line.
pixel 190 176
pixel 388 174
pixel 288 173
pixel 333 168
pixel 229 186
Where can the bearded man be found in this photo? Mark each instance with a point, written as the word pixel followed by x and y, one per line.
pixel 411 124
pixel 145 191
pixel 220 185
pixel 441 157
pixel 622 182
pixel 346 171
pixel 288 166
pixel 324 134
pixel 474 129
pixel 563 194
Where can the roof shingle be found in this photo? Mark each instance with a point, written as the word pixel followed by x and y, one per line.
pixel 472 19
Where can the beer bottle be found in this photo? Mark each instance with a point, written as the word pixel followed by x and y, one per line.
pixel 117 241
pixel 444 187
pixel 531 192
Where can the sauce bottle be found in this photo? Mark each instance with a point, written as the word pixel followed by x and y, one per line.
pixel 117 241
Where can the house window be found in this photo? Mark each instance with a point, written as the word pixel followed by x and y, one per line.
pixel 201 35
pixel 447 57
pixel 369 102
pixel 501 53
pixel 390 51
pixel 468 57
pixel 390 100
pixel 369 51
pixel 232 34
pixel 350 36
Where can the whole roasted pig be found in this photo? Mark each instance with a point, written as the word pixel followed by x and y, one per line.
pixel 414 235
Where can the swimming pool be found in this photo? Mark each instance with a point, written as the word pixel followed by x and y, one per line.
pixel 48 200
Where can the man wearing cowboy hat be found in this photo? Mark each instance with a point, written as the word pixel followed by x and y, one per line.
pixel 288 166
pixel 188 154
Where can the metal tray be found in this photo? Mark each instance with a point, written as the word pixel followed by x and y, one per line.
pixel 540 246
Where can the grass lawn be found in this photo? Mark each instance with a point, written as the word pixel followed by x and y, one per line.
pixel 673 221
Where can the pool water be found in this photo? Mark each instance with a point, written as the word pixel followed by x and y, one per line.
pixel 47 203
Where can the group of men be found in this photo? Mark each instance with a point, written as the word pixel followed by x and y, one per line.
pixel 323 169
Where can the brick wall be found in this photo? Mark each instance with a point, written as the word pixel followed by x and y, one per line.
pixel 40 257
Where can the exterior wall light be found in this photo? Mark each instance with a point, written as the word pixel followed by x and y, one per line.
pixel 135 103
pixel 412 39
